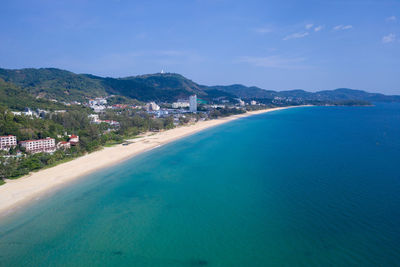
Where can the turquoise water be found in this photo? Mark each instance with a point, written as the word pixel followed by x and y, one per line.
pixel 315 186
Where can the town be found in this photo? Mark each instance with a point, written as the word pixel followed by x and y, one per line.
pixel 182 111
pixel 37 137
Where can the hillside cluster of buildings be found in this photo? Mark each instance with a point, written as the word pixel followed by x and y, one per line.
pixel 47 145
pixel 38 113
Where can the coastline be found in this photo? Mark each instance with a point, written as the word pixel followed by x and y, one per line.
pixel 17 192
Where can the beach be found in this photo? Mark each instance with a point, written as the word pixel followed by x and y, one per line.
pixel 19 191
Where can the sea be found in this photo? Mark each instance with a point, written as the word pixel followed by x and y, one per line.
pixel 308 186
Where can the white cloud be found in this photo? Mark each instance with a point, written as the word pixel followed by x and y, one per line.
pixel 275 62
pixel 318 28
pixel 391 19
pixel 391 37
pixel 309 26
pixel 296 35
pixel 342 27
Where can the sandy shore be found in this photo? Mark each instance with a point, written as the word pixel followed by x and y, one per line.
pixel 17 192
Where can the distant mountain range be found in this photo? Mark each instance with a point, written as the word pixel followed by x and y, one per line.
pixel 52 83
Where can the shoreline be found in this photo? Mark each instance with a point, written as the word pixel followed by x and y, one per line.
pixel 15 193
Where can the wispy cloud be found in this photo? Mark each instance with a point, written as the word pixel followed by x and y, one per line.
pixel 263 30
pixel 309 26
pixel 275 62
pixel 296 35
pixel 318 28
pixel 342 27
pixel 391 19
pixel 391 37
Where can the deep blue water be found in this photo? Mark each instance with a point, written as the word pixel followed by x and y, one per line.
pixel 315 186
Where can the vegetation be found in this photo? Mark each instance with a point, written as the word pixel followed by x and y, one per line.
pixel 63 85
pixel 225 112
pixel 47 88
pixel 91 136
pixel 16 98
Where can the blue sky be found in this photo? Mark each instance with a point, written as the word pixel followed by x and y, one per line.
pixel 278 45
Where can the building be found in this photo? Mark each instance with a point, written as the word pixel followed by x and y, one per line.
pixel 47 145
pixel 63 145
pixel 28 112
pixel 94 118
pixel 112 123
pixel 7 142
pixel 73 139
pixel 152 106
pixel 180 104
pixel 193 103
pixel 252 102
pixel 241 102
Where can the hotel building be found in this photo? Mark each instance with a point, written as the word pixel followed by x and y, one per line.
pixel 7 142
pixel 47 145
pixel 193 103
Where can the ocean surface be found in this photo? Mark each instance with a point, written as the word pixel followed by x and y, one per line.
pixel 313 186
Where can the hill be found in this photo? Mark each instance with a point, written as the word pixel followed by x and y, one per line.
pixel 51 83
pixel 14 97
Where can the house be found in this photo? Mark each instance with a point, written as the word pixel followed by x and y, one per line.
pixel 7 142
pixel 94 118
pixel 63 145
pixel 73 139
pixel 47 145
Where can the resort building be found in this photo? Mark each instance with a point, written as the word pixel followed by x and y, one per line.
pixel 94 118
pixel 73 139
pixel 193 103
pixel 7 142
pixel 180 104
pixel 63 145
pixel 152 106
pixel 47 145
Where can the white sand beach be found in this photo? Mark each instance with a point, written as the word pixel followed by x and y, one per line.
pixel 17 192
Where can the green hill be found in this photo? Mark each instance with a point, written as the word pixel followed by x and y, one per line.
pixel 51 83
pixel 16 98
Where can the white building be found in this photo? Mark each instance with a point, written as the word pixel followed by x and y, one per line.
pixel 180 104
pixel 101 101
pixel 252 102
pixel 152 106
pixel 28 112
pixel 193 103
pixel 47 145
pixel 7 142
pixel 94 118
pixel 241 103
pixel 73 139
pixel 98 109
pixel 63 145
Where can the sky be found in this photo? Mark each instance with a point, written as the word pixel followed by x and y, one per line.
pixel 276 45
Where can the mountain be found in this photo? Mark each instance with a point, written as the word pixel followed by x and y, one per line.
pixel 158 87
pixel 246 92
pixel 341 94
pixel 51 83
pixel 17 98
